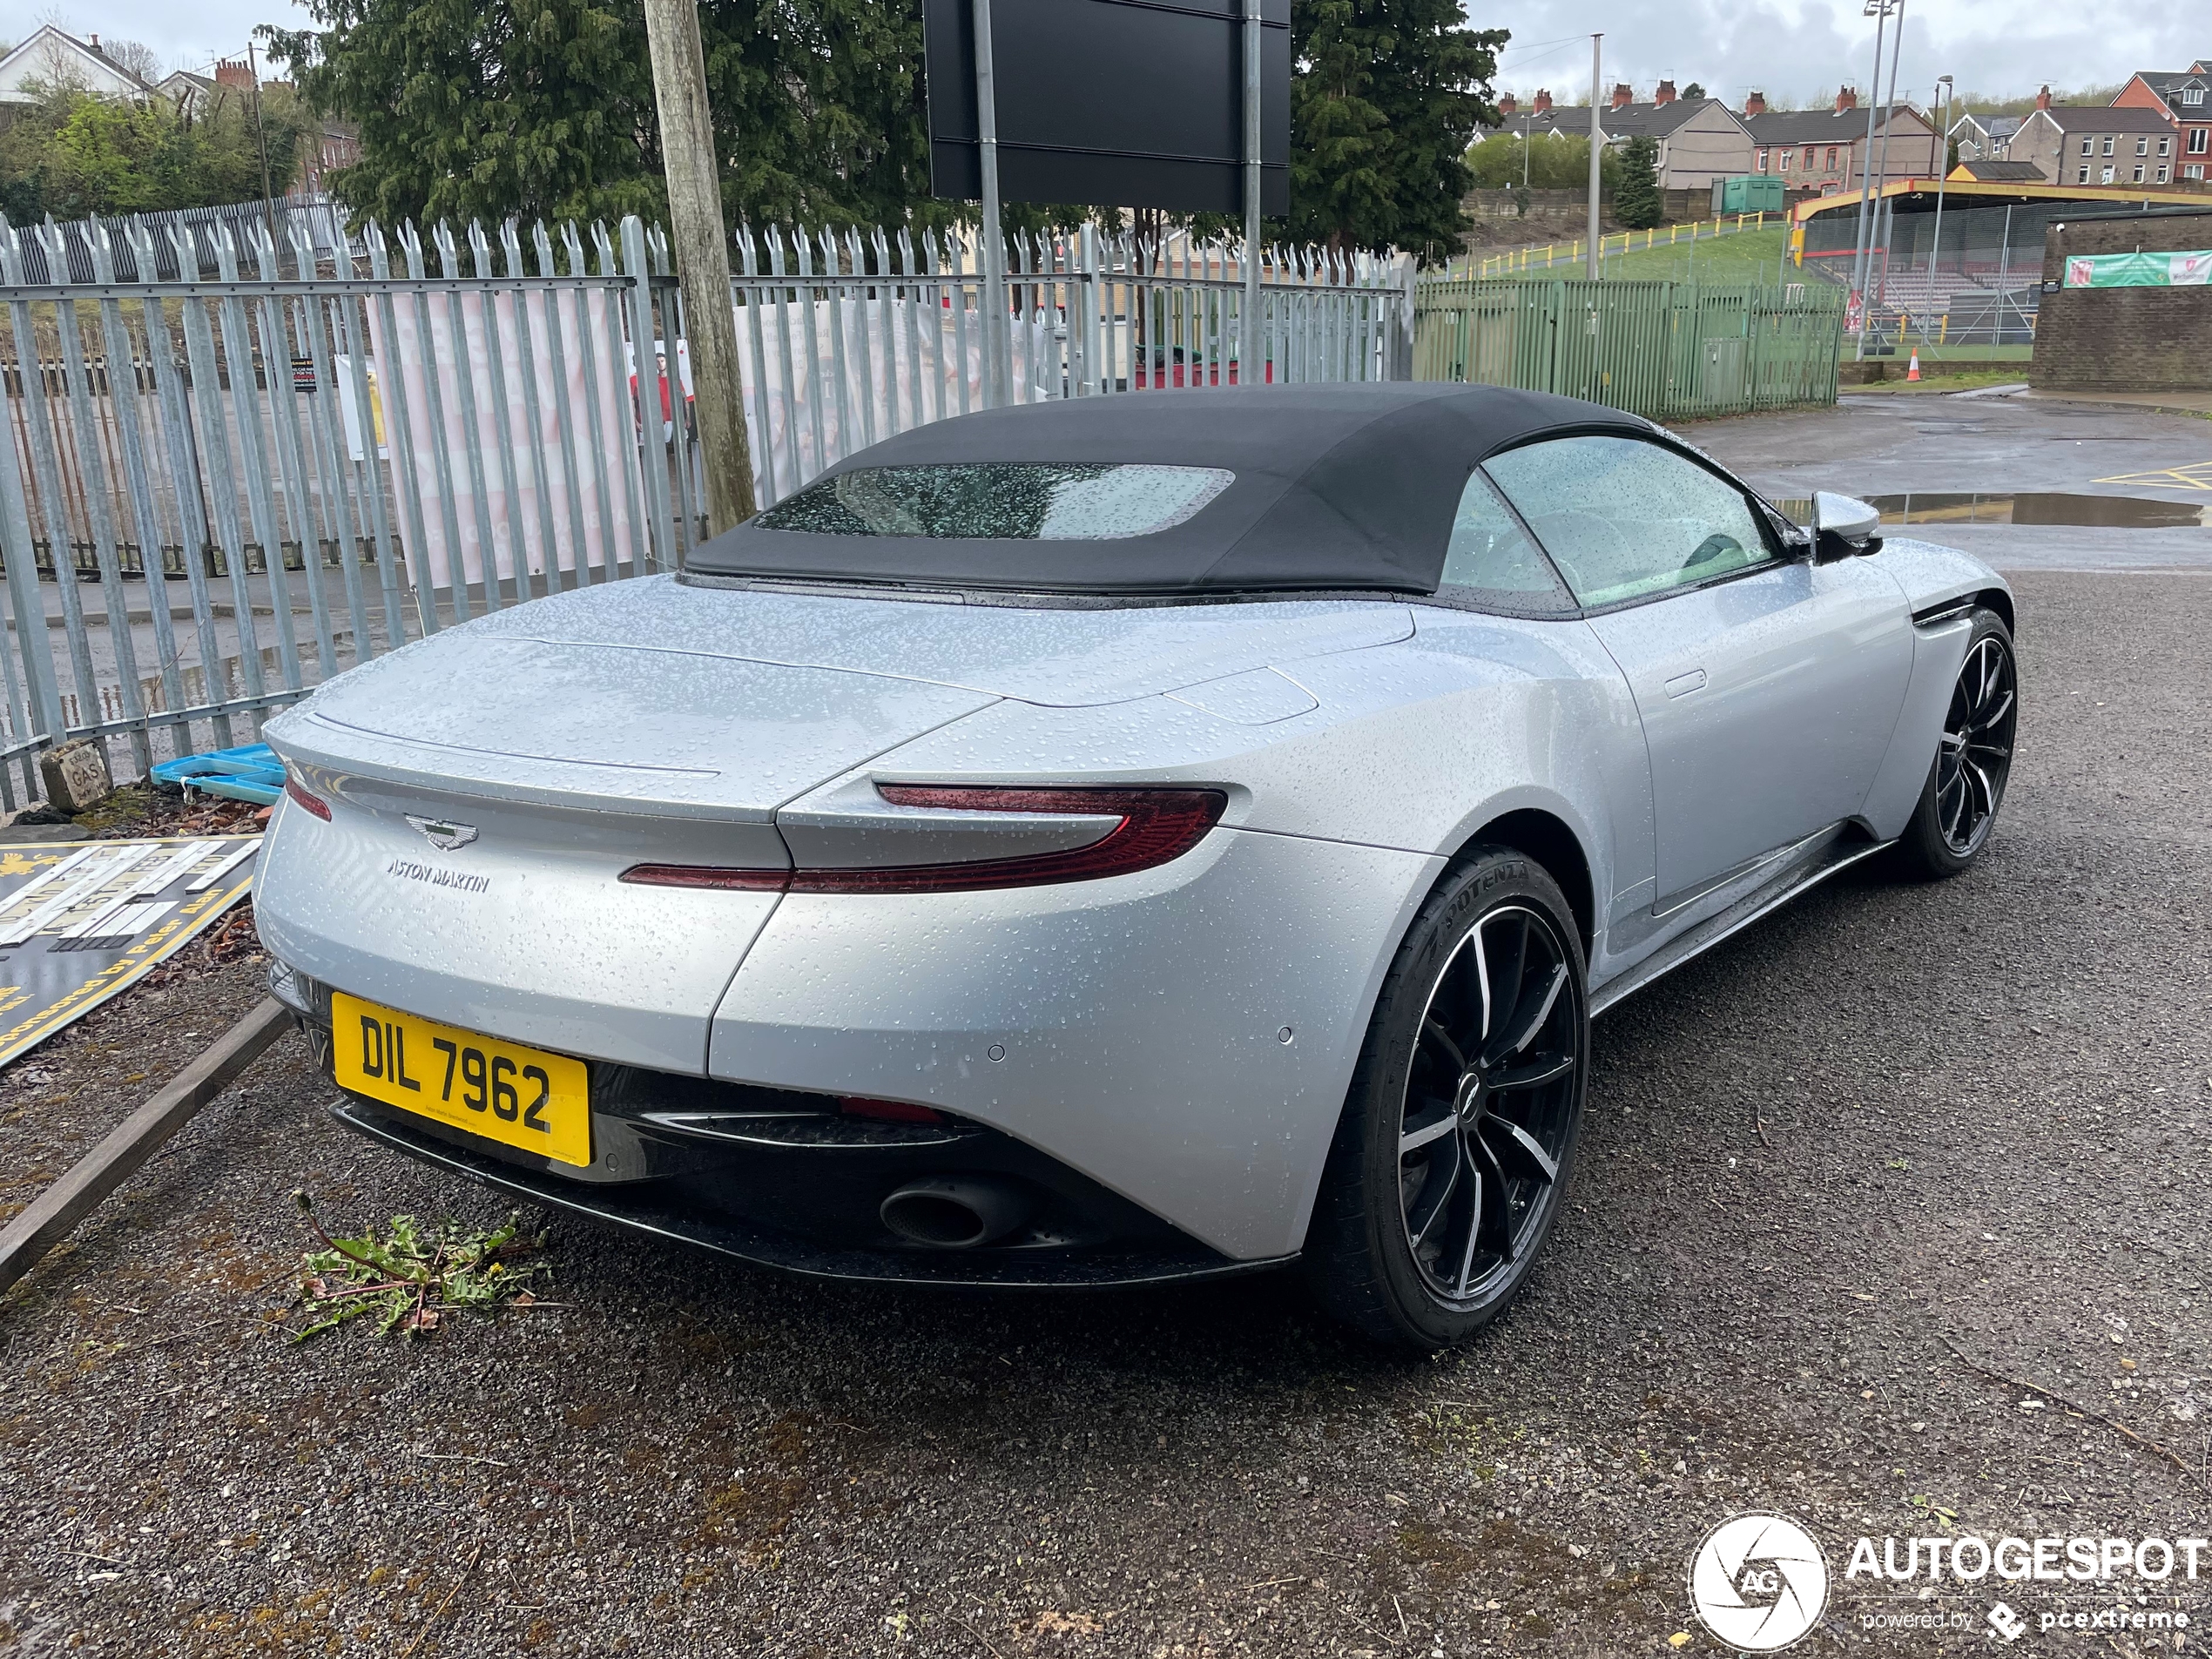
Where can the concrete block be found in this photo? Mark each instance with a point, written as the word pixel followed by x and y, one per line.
pixel 76 775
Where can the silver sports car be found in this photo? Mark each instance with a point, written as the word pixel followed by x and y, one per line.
pixel 1121 839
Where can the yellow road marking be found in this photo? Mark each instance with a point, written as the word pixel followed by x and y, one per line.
pixel 2196 476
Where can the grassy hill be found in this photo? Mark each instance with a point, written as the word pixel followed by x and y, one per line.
pixel 1741 257
pixel 1744 257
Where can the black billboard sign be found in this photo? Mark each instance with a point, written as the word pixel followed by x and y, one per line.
pixel 1117 103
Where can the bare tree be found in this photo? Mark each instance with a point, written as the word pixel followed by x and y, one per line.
pixel 137 57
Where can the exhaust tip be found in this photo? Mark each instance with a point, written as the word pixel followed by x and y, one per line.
pixel 955 1212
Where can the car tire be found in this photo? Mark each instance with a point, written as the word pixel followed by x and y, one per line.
pixel 1950 826
pixel 1458 1132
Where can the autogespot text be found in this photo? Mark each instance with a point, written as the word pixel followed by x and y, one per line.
pixel 1969 1559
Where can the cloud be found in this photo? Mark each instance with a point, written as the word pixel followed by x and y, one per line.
pixel 1801 51
pixel 1793 49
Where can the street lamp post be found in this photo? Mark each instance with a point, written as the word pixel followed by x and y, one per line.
pixel 1943 173
pixel 1880 11
pixel 1884 213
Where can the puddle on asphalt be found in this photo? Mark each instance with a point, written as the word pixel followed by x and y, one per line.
pixel 2027 507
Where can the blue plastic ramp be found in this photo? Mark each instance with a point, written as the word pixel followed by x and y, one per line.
pixel 249 773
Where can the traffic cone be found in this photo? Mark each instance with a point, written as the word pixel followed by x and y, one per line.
pixel 1912 368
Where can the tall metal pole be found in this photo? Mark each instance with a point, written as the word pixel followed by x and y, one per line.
pixel 1882 174
pixel 1597 146
pixel 1942 174
pixel 1880 11
pixel 1252 354
pixel 2004 272
pixel 692 166
pixel 986 136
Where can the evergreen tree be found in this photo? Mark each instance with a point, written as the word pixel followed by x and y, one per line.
pixel 1693 93
pixel 545 108
pixel 1386 96
pixel 1636 201
pixel 481 108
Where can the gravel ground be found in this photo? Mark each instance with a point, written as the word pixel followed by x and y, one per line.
pixel 1892 1132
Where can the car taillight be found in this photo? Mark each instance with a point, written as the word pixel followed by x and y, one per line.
pixel 887 1111
pixel 302 796
pixel 1157 824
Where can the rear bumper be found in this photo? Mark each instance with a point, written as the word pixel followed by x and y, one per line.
pixel 673 1215
pixel 785 1181
pixel 1166 1049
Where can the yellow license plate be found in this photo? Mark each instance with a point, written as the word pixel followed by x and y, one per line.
pixel 520 1097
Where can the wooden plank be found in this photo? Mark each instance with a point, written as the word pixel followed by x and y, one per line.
pixel 50 1217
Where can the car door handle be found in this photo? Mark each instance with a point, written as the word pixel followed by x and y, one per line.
pixel 1684 684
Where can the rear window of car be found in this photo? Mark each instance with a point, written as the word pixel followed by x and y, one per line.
pixel 999 500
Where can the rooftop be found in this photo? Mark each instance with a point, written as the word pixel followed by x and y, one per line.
pixel 2106 117
pixel 1819 126
pixel 1654 120
pixel 1998 173
pixel 57 43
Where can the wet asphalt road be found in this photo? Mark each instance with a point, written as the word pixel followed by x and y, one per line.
pixel 1890 1131
pixel 1890 443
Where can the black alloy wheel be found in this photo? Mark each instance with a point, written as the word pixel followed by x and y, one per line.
pixel 1965 786
pixel 1976 752
pixel 1484 1119
pixel 1452 1155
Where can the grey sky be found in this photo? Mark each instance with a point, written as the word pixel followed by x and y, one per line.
pixel 1795 49
pixel 1800 49
pixel 188 35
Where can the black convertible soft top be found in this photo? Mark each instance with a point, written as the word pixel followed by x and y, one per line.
pixel 1343 486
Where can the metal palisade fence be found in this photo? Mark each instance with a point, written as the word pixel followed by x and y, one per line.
pixel 235 468
pixel 1666 350
pixel 847 339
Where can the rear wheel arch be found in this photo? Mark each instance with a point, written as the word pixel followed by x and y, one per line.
pixel 1542 836
pixel 1551 842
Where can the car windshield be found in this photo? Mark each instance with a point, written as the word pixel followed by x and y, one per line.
pixel 999 500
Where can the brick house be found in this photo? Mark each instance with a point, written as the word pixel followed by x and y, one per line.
pixel 1822 149
pixel 1540 119
pixel 2185 97
pixel 1983 138
pixel 2098 144
pixel 335 145
pixel 1699 139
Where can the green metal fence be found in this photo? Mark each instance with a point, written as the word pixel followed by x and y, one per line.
pixel 1666 350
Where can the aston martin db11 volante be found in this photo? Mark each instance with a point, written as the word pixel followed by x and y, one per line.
pixel 1121 839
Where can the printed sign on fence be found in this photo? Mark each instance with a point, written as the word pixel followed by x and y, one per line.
pixel 2139 270
pixel 855 359
pixel 454 518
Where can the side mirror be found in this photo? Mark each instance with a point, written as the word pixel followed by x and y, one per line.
pixel 1843 526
